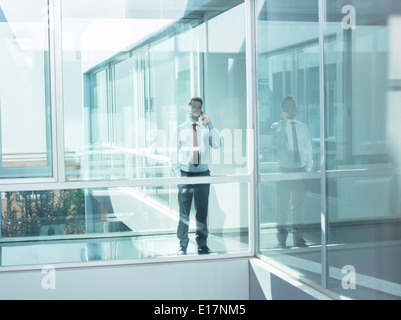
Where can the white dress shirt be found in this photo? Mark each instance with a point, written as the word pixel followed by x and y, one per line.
pixel 282 132
pixel 182 148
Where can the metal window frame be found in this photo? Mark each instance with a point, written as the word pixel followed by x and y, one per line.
pixel 51 135
pixel 323 182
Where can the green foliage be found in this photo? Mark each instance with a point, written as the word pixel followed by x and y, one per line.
pixel 30 213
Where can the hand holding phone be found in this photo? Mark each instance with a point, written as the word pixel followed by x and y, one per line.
pixel 205 118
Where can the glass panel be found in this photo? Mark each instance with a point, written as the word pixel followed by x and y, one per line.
pixel 63 226
pixel 357 133
pixel 274 197
pixel 25 138
pixel 364 237
pixel 362 107
pixel 289 134
pixel 129 71
pixel 288 66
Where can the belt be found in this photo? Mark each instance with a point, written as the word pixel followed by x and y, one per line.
pixel 282 169
pixel 190 174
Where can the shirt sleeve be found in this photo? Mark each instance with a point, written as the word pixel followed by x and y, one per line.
pixel 308 151
pixel 214 137
pixel 280 135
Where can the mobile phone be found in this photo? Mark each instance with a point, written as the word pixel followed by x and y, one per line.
pixel 201 116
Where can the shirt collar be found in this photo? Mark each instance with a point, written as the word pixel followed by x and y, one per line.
pixel 190 123
pixel 293 120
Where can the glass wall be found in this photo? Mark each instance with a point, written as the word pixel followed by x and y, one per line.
pixel 351 235
pixel 363 188
pixel 25 117
pixel 118 75
pixel 128 70
pixel 78 225
pixel 289 126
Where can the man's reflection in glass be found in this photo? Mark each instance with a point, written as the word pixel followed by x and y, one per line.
pixel 294 151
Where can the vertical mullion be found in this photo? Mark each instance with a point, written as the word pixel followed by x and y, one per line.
pixel 1 142
pixel 252 139
pixel 57 116
pixel 205 58
pixel 322 96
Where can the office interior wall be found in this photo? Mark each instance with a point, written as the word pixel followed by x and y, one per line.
pixel 186 280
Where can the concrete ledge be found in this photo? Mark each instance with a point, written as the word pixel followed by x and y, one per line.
pixel 269 283
pixel 196 280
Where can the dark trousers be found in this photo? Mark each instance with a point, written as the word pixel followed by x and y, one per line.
pixel 200 194
pixel 290 194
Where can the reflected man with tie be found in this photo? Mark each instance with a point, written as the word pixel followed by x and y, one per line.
pixel 190 158
pixel 294 151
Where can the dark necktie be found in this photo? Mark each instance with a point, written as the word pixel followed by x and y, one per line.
pixel 195 142
pixel 295 142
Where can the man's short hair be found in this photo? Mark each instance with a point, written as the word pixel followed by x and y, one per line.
pixel 288 101
pixel 195 99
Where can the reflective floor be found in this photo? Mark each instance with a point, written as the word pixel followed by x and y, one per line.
pixel 268 237
pixel 107 249
pixel 374 279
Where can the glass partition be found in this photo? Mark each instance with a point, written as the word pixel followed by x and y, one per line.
pixel 289 134
pixel 357 217
pixel 328 148
pixel 363 189
pixel 64 226
pixel 25 117
pixel 129 71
